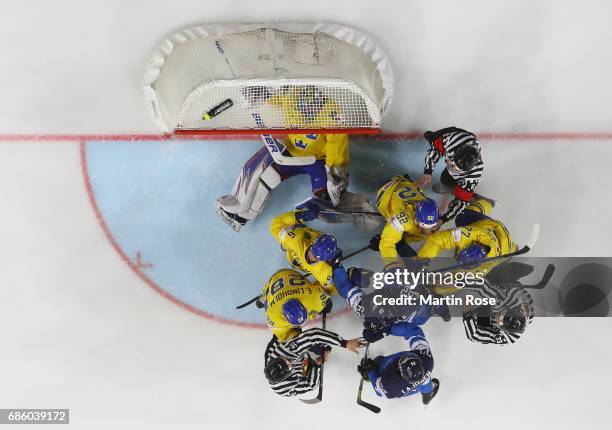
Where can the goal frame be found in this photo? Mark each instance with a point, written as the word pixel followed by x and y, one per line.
pixel 349 35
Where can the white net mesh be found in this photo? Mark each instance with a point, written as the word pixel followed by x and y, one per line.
pixel 219 77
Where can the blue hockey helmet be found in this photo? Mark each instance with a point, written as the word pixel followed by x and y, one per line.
pixel 426 214
pixel 295 312
pixel 325 247
pixel 410 368
pixel 472 253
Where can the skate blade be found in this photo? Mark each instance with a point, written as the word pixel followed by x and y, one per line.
pixel 235 225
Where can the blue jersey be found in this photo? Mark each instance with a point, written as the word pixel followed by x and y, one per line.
pixel 386 380
pixel 349 287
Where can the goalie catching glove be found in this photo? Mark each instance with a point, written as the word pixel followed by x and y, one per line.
pixel 337 182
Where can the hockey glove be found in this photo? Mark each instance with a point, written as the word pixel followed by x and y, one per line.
pixel 328 307
pixel 374 330
pixel 320 349
pixel 310 213
pixel 375 243
pixel 364 368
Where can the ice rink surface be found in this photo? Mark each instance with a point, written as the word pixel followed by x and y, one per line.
pixel 89 224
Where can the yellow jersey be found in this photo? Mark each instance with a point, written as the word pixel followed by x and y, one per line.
pixel 333 148
pixel 296 238
pixel 396 201
pixel 487 232
pixel 288 284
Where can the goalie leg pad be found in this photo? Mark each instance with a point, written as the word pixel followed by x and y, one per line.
pixel 251 190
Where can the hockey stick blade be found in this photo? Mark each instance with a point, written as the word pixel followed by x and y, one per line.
pixel 550 270
pixel 369 406
pixel 535 233
pixel 244 305
pixel 311 401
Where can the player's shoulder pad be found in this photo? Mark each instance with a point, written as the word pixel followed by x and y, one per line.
pixel 396 223
pixel 286 232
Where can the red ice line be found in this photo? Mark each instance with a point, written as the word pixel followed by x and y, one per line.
pixel 483 135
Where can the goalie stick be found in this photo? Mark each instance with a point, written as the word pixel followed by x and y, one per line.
pixel 352 254
pixel 276 151
pixel 368 406
pixel 320 394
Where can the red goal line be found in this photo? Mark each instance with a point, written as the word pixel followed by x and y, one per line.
pixel 483 135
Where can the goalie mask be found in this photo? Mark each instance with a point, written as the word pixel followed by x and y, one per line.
pixel 310 101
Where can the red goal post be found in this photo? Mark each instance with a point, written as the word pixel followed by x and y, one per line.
pixel 248 79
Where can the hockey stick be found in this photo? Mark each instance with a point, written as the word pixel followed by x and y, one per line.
pixel 352 254
pixel 320 394
pixel 360 402
pixel 337 212
pixel 550 269
pixel 245 304
pixel 535 233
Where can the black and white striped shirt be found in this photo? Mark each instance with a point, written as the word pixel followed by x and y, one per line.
pixel 305 373
pixel 507 295
pixel 444 143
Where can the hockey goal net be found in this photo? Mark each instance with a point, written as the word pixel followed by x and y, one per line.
pixel 263 78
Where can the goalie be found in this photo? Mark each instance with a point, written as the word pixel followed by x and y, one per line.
pixel 323 157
